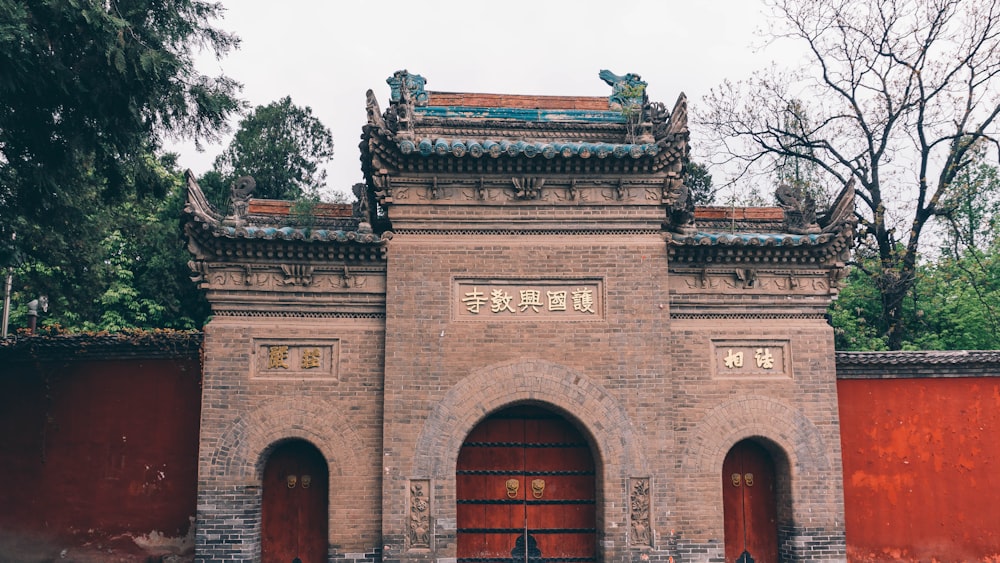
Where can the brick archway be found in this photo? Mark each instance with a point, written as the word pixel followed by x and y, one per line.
pixel 807 508
pixel 755 416
pixel 242 450
pixel 616 446
pixel 617 449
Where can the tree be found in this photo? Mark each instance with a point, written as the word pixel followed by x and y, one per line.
pixel 282 146
pixel 89 90
pixel 699 183
pixel 136 277
pixel 899 93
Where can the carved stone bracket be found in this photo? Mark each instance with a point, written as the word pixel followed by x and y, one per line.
pixel 639 522
pixel 528 188
pixel 199 270
pixel 748 277
pixel 419 528
pixel 297 274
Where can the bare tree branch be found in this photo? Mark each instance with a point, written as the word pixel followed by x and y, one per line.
pixel 896 92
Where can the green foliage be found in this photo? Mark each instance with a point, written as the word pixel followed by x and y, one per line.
pixel 282 146
pixel 137 278
pixel 954 304
pixel 855 315
pixel 699 182
pixel 89 89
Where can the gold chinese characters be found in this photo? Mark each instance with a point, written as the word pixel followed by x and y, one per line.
pixel 579 300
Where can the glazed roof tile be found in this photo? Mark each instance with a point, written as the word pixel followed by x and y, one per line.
pixel 477 148
pixel 752 239
pixel 276 232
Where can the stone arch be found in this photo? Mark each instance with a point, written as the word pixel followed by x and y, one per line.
pixel 242 450
pixel 754 416
pixel 601 417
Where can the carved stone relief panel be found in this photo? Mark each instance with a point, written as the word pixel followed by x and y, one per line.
pixel 419 526
pixel 640 530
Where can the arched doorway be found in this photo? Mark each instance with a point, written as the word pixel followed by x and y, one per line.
pixel 525 489
pixel 749 498
pixel 294 511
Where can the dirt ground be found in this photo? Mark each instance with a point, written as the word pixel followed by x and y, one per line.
pixel 82 547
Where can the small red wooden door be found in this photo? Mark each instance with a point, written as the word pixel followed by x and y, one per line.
pixel 750 504
pixel 294 507
pixel 525 490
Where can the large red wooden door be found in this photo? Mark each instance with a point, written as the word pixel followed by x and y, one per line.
pixel 525 490
pixel 750 504
pixel 294 507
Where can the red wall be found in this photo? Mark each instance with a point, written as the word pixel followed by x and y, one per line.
pixel 95 449
pixel 921 468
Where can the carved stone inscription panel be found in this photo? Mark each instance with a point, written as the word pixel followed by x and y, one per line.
pixel 750 359
pixel 558 300
pixel 289 358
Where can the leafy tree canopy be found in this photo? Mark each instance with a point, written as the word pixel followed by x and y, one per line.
pixel 283 147
pixel 89 88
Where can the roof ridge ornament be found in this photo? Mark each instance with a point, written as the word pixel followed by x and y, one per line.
pixel 414 85
pixel 627 91
pixel 799 208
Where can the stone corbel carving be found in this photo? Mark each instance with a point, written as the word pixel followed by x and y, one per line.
pixel 383 188
pixel 680 205
pixel 297 274
pixel 836 275
pixel 199 269
pixel 528 188
pixel 748 277
pixel 346 279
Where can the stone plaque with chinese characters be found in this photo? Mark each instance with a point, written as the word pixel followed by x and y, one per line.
pixel 579 300
pixel 289 358
pixel 750 358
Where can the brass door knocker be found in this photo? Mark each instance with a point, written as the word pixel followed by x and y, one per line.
pixel 737 479
pixel 291 480
pixel 512 485
pixel 537 487
pixel 306 481
pixel 748 479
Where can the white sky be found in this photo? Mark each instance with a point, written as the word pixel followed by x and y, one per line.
pixel 325 55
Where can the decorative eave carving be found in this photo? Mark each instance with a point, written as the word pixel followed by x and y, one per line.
pixel 827 246
pixel 417 137
pixel 212 237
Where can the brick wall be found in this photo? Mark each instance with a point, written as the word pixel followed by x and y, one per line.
pixel 246 413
